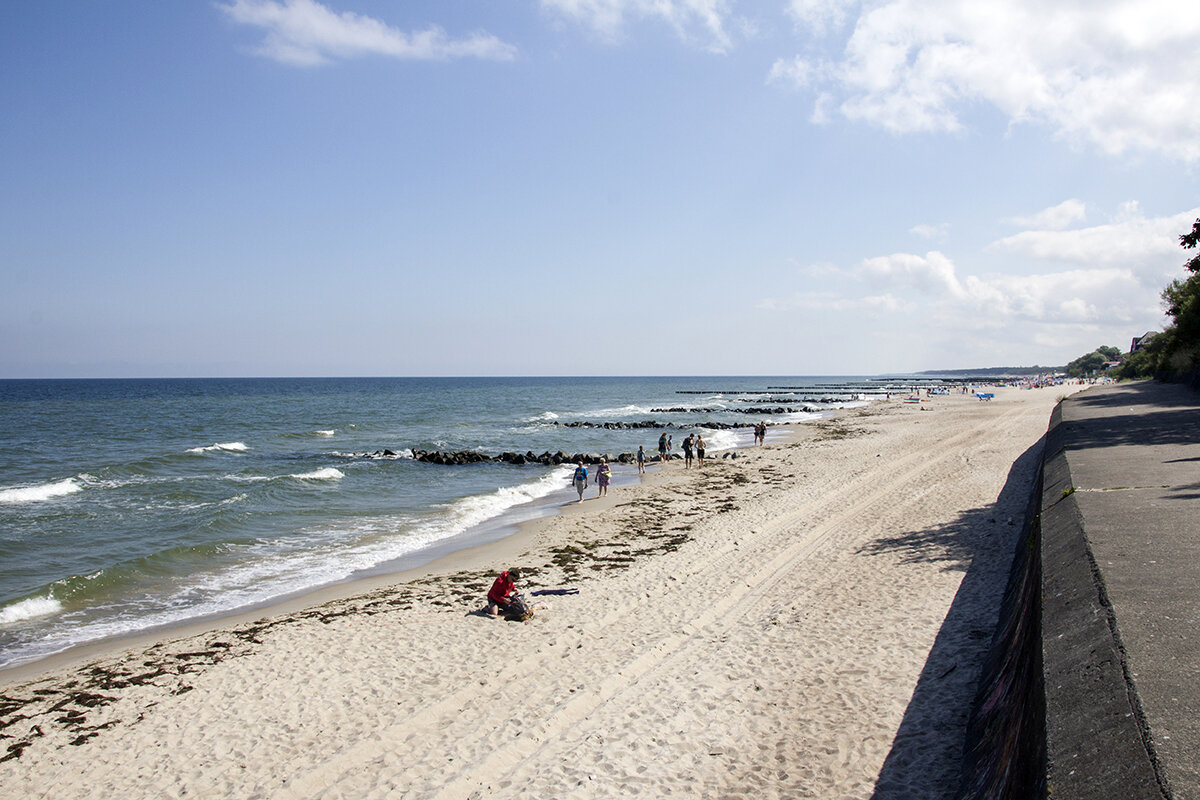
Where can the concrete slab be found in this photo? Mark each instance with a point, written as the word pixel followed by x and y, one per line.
pixel 1133 456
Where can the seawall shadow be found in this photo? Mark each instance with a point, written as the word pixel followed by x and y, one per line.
pixel 928 746
pixel 1166 414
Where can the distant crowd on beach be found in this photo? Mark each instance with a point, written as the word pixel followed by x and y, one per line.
pixel 504 598
pixel 694 449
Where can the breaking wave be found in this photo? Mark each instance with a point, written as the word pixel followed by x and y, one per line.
pixel 323 474
pixel 28 609
pixel 229 447
pixel 43 491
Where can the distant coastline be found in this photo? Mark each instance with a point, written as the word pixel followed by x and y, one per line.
pixel 994 372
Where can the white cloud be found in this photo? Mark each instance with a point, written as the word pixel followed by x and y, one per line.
pixel 1114 273
pixel 796 72
pixel 1066 292
pixel 831 301
pixel 306 33
pixel 939 231
pixel 1147 247
pixel 819 16
pixel 1056 217
pixel 704 21
pixel 1115 74
pixel 1060 297
pixel 818 270
pixel 932 273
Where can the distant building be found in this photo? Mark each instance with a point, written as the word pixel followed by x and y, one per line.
pixel 1140 342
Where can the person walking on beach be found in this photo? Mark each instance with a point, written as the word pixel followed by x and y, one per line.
pixel 641 460
pixel 603 476
pixel 670 445
pixel 580 479
pixel 687 451
pixel 700 450
pixel 502 590
pixel 662 448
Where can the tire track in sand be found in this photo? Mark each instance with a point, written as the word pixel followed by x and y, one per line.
pixel 569 724
pixel 825 513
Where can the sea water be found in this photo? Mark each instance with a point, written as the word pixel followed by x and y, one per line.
pixel 133 505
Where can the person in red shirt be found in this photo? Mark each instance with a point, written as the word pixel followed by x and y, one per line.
pixel 502 590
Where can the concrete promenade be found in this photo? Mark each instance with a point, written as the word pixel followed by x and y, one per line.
pixel 1120 546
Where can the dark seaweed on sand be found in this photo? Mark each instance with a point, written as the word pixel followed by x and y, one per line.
pixel 646 527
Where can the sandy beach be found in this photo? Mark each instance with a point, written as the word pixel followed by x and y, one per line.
pixel 804 620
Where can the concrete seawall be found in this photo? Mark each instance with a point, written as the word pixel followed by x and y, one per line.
pixel 1094 692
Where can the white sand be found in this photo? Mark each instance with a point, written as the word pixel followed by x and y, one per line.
pixel 756 629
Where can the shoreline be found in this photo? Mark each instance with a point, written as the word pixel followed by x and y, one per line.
pixel 481 549
pixel 754 627
pixel 477 556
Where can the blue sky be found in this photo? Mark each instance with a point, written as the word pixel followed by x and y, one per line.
pixel 560 187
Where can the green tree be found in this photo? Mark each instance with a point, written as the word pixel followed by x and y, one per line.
pixel 1145 362
pixel 1093 362
pixel 1182 301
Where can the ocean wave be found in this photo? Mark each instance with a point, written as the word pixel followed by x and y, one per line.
pixel 477 509
pixel 801 416
pixel 43 491
pixel 103 585
pixel 723 439
pixel 623 411
pixel 545 416
pixel 323 474
pixel 249 478
pixel 327 433
pixel 28 609
pixel 230 447
pixel 375 456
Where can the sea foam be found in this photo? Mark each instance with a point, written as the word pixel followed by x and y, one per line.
pixel 43 491
pixel 623 411
pixel 231 447
pixel 323 474
pixel 477 509
pixel 28 609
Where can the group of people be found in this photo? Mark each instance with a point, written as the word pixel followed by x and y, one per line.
pixel 503 596
pixel 603 476
pixel 693 441
pixel 760 432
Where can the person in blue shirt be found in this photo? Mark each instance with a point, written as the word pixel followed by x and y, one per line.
pixel 580 480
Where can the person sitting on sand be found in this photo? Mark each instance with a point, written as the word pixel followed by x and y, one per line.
pixel 503 588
